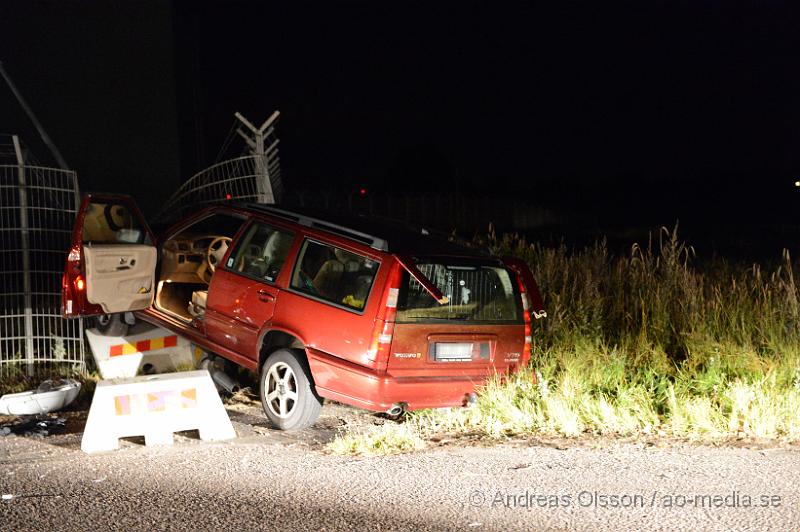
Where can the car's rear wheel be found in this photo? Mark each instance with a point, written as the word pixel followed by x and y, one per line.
pixel 111 325
pixel 287 392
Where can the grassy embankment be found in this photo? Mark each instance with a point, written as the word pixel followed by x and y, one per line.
pixel 645 344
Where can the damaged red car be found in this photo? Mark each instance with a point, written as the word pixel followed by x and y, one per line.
pixel 358 310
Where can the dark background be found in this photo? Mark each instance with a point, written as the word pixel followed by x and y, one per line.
pixel 630 116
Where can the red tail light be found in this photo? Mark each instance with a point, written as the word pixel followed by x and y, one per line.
pixel 383 329
pixel 526 350
pixel 526 313
pixel 381 341
pixel 73 284
pixel 74 268
pixel 74 257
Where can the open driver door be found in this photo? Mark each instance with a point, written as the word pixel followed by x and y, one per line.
pixel 112 260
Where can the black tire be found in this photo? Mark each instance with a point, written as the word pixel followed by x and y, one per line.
pixel 111 325
pixel 300 412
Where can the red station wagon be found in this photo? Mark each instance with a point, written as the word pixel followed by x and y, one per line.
pixel 357 310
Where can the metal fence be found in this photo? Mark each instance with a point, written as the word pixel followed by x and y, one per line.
pixel 254 177
pixel 240 179
pixel 37 212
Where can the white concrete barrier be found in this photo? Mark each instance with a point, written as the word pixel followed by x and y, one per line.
pixel 148 348
pixel 155 406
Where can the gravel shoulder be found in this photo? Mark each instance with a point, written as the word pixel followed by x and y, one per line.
pixel 270 480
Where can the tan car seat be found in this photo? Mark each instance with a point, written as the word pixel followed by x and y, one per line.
pixel 276 251
pixel 326 281
pixel 197 307
pixel 349 260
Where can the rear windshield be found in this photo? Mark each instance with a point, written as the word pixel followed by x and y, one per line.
pixel 476 293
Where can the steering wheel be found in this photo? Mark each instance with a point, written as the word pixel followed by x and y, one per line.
pixel 216 250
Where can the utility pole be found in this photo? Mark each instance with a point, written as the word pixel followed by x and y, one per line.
pixel 266 160
pixel 28 111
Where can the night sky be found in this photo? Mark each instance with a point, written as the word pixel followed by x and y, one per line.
pixel 641 114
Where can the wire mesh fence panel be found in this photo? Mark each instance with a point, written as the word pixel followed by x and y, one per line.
pixel 240 179
pixel 37 212
pixel 254 177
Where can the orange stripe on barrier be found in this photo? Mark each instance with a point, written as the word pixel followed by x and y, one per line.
pixel 142 346
pixel 122 405
pixel 189 398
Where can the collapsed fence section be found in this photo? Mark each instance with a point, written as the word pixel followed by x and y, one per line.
pixel 254 177
pixel 240 179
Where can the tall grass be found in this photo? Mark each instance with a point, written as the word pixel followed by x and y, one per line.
pixel 657 295
pixel 650 342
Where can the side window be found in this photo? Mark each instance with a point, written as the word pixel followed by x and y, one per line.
pixel 112 223
pixel 334 274
pixel 261 252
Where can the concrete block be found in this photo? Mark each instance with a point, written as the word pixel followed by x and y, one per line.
pixel 155 406
pixel 146 347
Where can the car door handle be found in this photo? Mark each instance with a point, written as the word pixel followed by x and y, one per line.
pixel 263 295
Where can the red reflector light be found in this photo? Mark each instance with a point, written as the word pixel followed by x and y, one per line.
pixel 526 350
pixel 526 313
pixel 383 329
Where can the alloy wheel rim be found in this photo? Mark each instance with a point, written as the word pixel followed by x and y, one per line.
pixel 281 390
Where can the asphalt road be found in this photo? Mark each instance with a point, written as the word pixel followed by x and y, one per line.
pixel 273 481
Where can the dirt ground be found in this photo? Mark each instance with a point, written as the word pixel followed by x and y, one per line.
pixel 271 480
pixel 64 429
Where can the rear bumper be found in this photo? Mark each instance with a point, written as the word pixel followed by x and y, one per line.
pixel 355 385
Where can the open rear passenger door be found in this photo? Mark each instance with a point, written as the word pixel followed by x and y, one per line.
pixel 112 261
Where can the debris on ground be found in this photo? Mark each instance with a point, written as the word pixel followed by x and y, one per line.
pixel 36 427
pixel 51 395
pixel 243 395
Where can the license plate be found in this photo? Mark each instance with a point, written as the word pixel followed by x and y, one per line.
pixel 453 352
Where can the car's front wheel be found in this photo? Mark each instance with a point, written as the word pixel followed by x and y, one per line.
pixel 287 392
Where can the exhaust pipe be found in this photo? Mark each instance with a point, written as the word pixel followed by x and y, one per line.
pixel 220 378
pixel 396 409
pixel 223 380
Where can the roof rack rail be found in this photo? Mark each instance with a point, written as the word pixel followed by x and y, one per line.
pixel 372 241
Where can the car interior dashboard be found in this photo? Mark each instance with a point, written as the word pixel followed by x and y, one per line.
pixel 185 269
